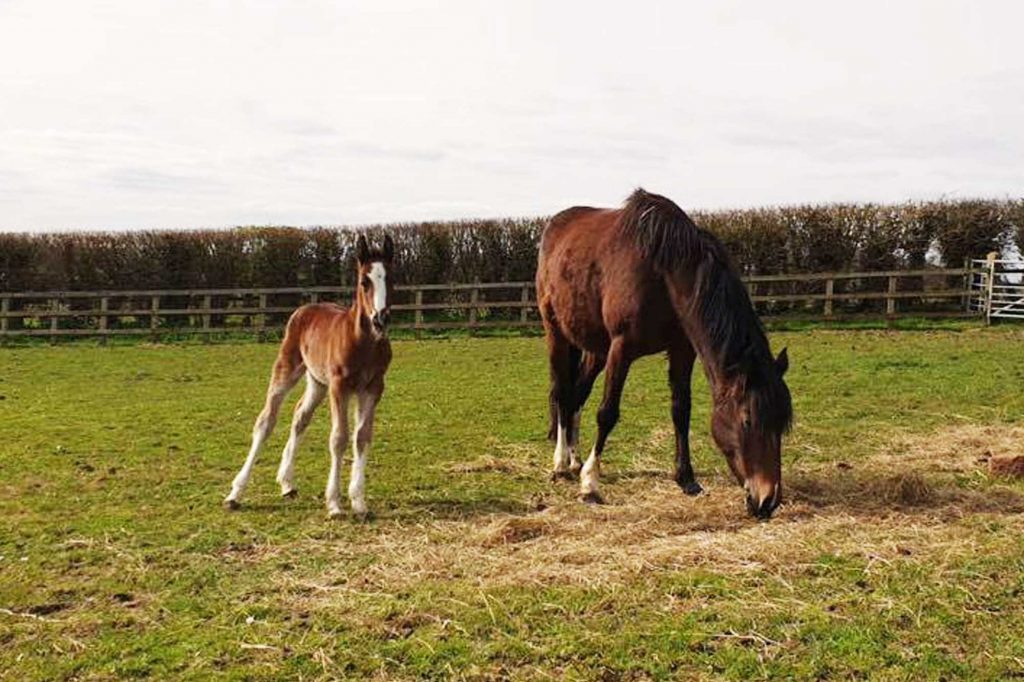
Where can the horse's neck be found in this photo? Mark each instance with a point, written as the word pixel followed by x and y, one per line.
pixel 683 292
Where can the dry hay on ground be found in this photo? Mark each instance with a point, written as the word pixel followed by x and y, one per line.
pixel 908 502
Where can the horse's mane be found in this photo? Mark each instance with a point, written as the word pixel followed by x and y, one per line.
pixel 672 243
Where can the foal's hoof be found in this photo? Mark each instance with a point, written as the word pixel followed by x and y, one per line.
pixel 564 475
pixel 291 494
pixel 335 513
pixel 691 488
pixel 593 497
pixel 232 505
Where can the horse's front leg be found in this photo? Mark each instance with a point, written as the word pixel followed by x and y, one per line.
pixel 680 370
pixel 361 442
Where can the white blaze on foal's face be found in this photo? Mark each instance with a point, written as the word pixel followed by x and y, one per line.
pixel 376 286
pixel 378 276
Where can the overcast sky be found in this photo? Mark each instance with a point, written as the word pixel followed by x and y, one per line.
pixel 179 114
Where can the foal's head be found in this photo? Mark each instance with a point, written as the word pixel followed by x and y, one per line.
pixel 372 287
pixel 752 409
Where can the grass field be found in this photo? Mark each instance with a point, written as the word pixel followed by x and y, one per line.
pixel 897 555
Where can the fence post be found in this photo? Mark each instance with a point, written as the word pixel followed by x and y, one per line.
pixel 261 320
pixel 54 308
pixel 990 262
pixel 104 307
pixel 968 278
pixel 418 324
pixel 314 297
pixel 153 319
pixel 5 307
pixel 890 302
pixel 474 299
pixel 524 311
pixel 830 286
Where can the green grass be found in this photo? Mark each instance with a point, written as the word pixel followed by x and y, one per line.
pixel 896 557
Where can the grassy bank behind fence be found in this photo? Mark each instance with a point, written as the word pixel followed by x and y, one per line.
pixel 812 238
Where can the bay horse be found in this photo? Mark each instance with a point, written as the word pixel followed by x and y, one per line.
pixel 343 352
pixel 617 284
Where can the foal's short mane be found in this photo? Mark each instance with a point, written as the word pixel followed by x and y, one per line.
pixel 673 243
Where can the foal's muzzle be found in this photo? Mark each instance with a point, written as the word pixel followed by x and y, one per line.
pixel 380 320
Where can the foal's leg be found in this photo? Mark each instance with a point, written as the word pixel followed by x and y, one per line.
pixel 287 371
pixel 680 369
pixel 304 410
pixel 338 442
pixel 361 441
pixel 616 369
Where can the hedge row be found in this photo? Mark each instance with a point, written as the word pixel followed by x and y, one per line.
pixel 763 241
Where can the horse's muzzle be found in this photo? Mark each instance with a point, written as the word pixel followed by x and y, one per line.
pixel 764 508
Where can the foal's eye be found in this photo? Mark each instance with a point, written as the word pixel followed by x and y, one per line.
pixel 746 424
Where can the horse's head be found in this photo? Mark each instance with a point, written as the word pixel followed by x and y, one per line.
pixel 751 412
pixel 372 288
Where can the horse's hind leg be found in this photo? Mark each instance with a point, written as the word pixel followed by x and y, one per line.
pixel 616 370
pixel 680 370
pixel 589 370
pixel 304 409
pixel 564 359
pixel 287 371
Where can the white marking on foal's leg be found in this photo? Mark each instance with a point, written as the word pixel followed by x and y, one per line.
pixel 361 442
pixel 300 422
pixel 339 434
pixel 590 475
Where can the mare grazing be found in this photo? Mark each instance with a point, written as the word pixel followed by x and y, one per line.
pixel 343 352
pixel 617 284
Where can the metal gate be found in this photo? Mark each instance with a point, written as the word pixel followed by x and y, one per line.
pixel 997 288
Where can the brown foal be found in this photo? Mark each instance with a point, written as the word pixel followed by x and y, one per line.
pixel 343 352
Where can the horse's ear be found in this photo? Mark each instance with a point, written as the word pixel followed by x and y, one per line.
pixel 782 362
pixel 389 248
pixel 362 250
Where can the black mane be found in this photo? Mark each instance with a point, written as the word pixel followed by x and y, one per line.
pixel 672 243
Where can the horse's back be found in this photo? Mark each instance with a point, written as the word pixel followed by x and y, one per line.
pixel 593 283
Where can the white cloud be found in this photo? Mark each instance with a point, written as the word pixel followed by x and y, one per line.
pixel 181 114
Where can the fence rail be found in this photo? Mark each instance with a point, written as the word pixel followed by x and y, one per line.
pixel 823 295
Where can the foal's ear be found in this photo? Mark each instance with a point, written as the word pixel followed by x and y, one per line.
pixel 782 362
pixel 362 250
pixel 389 249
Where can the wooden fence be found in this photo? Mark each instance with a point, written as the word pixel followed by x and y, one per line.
pixel 820 296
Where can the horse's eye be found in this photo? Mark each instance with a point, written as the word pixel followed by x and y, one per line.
pixel 746 424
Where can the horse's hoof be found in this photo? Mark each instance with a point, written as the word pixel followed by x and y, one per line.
pixel 593 497
pixel 692 488
pixel 564 475
pixel 232 505
pixel 291 494
pixel 335 513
